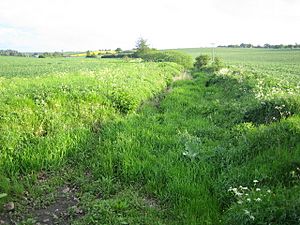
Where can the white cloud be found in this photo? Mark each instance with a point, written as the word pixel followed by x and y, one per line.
pixel 48 25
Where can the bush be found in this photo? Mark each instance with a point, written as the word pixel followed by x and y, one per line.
pixel 123 101
pixel 168 56
pixel 202 61
pixel 91 54
pixel 217 64
pixel 117 56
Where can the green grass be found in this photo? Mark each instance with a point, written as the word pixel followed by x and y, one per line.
pixel 28 67
pixel 195 145
pixel 220 148
pixel 44 117
pixel 251 55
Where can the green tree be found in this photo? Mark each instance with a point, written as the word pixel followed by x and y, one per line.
pixel 142 45
pixel 91 54
pixel 88 54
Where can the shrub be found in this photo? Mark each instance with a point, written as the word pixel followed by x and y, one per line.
pixel 118 56
pixel 168 56
pixel 109 56
pixel 123 101
pixel 202 61
pixel 217 64
pixel 91 54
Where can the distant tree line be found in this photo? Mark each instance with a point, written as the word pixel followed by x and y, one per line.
pixel 49 54
pixel 245 45
pixel 121 54
pixel 10 52
pixel 142 50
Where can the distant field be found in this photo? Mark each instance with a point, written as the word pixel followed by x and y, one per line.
pixel 24 67
pixel 271 61
pixel 93 52
pixel 252 55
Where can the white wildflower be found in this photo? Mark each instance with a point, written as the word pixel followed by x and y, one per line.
pixel 239 194
pixel 243 188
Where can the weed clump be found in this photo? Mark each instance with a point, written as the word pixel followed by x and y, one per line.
pixel 123 101
pixel 206 63
pixel 264 206
pixel 271 111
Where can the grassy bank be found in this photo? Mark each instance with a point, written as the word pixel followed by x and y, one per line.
pixel 44 118
pixel 196 152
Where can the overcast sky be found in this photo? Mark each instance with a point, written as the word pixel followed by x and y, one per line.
pixel 55 25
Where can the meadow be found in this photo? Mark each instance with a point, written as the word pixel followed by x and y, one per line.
pixel 146 143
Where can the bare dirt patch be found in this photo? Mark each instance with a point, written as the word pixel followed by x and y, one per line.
pixel 62 210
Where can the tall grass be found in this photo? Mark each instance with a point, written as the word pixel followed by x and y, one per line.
pixel 42 118
pixel 192 149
